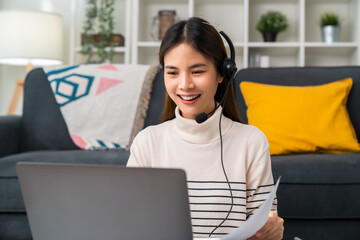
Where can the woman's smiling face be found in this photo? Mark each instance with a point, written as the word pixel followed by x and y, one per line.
pixel 191 80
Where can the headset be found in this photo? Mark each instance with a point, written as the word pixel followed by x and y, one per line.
pixel 228 70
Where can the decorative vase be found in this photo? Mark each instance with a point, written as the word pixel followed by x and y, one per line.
pixel 269 36
pixel 161 23
pixel 330 34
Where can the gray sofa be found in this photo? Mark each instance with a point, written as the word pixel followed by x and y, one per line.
pixel 318 195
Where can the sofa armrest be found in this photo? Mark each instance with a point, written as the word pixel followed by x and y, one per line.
pixel 10 135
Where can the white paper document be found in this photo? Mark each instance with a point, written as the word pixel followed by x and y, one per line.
pixel 256 221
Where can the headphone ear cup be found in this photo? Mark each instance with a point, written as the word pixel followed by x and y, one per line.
pixel 227 68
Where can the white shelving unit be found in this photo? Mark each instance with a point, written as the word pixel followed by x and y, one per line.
pixel 122 15
pixel 299 45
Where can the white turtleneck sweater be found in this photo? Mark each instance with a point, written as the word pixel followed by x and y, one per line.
pixel 183 143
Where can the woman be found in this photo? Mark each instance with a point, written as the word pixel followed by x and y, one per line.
pixel 192 53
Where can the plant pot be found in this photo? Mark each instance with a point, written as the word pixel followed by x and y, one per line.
pixel 330 34
pixel 269 36
pixel 117 40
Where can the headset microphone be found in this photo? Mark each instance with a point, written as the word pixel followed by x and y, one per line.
pixel 227 70
pixel 202 117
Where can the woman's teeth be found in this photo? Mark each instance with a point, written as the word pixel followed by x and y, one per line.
pixel 188 98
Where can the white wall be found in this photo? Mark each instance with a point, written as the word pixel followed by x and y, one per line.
pixel 9 74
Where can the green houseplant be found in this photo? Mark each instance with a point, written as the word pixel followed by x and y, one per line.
pixel 98 30
pixel 330 27
pixel 329 18
pixel 270 24
pixel 88 30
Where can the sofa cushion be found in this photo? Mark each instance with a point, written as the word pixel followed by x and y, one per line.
pixel 10 131
pixel 43 126
pixel 10 197
pixel 317 168
pixel 321 229
pixel 302 76
pixel 14 226
pixel 302 119
pixel 318 185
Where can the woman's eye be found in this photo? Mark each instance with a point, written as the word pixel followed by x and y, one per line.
pixel 171 73
pixel 198 72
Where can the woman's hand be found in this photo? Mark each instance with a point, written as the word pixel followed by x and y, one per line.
pixel 272 230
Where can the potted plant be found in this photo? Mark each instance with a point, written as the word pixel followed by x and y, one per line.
pixel 270 24
pixel 330 27
pixel 87 37
pixel 98 31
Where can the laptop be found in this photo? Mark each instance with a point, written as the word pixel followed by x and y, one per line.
pixel 67 201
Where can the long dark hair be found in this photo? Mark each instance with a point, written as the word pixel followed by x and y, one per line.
pixel 204 38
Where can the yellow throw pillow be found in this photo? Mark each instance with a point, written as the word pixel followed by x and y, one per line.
pixel 302 119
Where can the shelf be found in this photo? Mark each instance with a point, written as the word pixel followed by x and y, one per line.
pixel 116 49
pixel 332 45
pixel 274 44
pixel 300 45
pixel 149 44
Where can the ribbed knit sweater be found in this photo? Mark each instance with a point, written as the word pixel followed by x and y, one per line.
pixel 183 143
